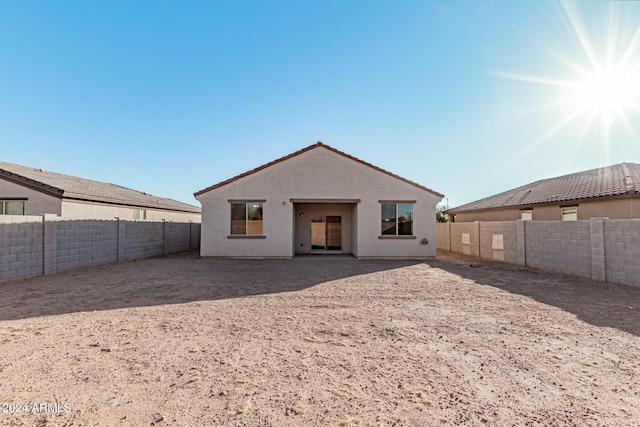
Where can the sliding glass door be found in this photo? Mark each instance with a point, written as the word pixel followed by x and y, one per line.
pixel 326 233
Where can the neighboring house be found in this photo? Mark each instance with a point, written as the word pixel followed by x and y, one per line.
pixel 318 200
pixel 609 192
pixel 28 191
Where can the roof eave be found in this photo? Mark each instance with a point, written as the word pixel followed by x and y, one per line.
pixel 552 202
pixel 31 183
pixel 84 198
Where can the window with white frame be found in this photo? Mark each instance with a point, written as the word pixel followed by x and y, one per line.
pixel 11 207
pixel 570 213
pixel 526 214
pixel 246 219
pixel 140 214
pixel 397 219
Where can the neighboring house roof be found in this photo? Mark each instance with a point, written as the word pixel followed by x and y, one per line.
pixel 73 187
pixel 617 180
pixel 304 150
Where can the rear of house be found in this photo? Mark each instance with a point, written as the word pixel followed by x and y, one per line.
pixel 318 200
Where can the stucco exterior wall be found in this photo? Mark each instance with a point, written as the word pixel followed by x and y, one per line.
pixel 313 175
pixel 37 203
pixel 85 210
pixel 622 208
pixel 612 209
pixel 354 230
pixel 492 215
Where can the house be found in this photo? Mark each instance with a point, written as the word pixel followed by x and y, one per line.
pixel 318 200
pixel 29 191
pixel 610 192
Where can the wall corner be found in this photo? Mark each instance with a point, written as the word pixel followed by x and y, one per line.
pixel 521 241
pixel 598 260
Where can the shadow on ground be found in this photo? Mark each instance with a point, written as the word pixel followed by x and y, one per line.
pixel 173 279
pixel 598 303
pixel 186 278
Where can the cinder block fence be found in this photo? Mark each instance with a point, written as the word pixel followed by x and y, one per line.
pixel 34 245
pixel 599 249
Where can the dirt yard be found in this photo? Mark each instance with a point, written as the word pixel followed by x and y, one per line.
pixel 318 342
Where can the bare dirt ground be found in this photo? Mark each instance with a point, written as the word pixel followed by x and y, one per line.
pixel 318 342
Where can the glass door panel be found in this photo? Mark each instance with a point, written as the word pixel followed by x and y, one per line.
pixel 334 233
pixel 318 233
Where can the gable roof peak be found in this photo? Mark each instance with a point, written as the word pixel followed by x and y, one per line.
pixel 304 150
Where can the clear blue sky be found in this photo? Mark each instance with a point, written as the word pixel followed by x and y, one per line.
pixel 169 97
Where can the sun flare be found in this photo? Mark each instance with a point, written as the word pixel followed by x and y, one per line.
pixel 600 88
pixel 610 92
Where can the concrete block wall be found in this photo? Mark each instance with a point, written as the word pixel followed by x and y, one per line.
pixel 180 237
pixel 460 231
pixel 84 242
pixel 498 241
pixel 21 249
pixel 443 231
pixel 622 251
pixel 33 245
pixel 143 239
pixel 562 246
pixel 598 249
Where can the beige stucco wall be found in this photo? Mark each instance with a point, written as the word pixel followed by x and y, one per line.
pixel 547 213
pixel 88 210
pixel 612 209
pixel 37 203
pixel 623 208
pixel 316 174
pixel 492 215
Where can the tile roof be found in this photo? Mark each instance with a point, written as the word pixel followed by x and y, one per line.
pixel 616 180
pixel 72 187
pixel 304 150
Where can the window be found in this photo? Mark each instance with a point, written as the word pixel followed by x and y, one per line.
pixel 11 207
pixel 397 219
pixel 526 214
pixel 246 218
pixel 139 214
pixel 570 213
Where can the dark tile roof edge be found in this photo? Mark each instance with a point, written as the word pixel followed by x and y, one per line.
pixel 131 203
pixel 31 183
pixel 629 182
pixel 562 202
pixel 304 150
pixel 64 194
